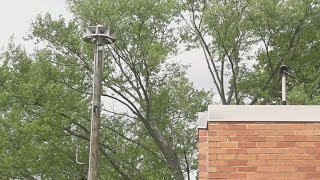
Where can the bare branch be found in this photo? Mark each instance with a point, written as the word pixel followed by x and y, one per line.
pixel 137 143
pixel 119 114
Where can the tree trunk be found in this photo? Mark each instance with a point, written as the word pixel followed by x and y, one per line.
pixel 167 151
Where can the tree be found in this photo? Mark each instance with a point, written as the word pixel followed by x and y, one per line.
pixel 34 143
pixel 246 41
pixel 152 134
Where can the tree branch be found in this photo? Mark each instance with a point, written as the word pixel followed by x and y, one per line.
pixel 137 143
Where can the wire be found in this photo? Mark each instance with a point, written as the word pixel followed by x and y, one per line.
pixel 77 149
pixel 292 75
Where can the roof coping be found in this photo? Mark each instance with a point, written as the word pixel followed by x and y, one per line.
pixel 259 113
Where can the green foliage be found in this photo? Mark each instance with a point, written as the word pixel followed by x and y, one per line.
pixel 287 41
pixel 47 97
pixel 150 107
pixel 32 129
pixel 247 41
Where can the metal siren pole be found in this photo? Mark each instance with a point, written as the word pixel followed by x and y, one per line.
pixel 99 36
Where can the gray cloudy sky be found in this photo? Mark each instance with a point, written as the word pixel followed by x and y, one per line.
pixel 16 16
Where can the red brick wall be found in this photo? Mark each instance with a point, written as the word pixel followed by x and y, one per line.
pixel 259 151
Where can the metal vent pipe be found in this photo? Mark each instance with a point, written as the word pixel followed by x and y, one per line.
pixel 283 71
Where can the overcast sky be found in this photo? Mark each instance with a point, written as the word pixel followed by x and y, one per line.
pixel 16 16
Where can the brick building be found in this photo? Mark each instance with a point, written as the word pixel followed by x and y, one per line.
pixel 259 142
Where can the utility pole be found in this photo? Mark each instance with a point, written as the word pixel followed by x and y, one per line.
pixel 99 36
